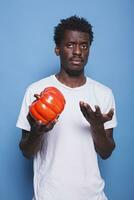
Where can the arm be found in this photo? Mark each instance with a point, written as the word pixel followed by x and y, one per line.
pixel 103 139
pixel 31 141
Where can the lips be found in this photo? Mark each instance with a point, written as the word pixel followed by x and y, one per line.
pixel 76 61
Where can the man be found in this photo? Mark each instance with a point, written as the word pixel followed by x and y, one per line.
pixel 65 151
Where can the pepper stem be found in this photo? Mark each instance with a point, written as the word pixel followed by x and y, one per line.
pixel 37 96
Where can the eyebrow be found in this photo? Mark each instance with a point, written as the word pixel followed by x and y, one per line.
pixel 82 42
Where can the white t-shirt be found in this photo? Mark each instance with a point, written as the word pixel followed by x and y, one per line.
pixel 67 167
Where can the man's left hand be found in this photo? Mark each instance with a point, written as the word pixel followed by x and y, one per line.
pixel 95 118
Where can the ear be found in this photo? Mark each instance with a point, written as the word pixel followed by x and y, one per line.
pixel 57 51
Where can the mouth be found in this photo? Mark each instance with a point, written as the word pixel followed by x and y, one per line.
pixel 76 61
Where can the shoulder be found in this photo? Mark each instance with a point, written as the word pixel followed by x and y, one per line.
pixel 38 86
pixel 98 87
pixel 101 95
pixel 41 82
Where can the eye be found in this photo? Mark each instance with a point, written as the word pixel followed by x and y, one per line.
pixel 84 46
pixel 70 45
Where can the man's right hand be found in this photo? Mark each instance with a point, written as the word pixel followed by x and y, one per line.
pixel 39 128
pixel 31 141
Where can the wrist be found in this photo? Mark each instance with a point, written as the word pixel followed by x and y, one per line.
pixel 98 130
pixel 34 135
pixel 97 126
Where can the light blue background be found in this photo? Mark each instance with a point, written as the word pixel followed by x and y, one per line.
pixel 27 55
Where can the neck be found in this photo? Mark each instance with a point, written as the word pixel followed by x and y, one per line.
pixel 71 81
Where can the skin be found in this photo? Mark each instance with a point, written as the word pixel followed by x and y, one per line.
pixel 73 52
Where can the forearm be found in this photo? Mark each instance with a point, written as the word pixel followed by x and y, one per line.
pixel 30 143
pixel 104 144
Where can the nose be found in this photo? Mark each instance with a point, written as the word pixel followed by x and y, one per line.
pixel 77 50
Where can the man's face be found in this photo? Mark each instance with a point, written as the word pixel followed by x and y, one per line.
pixel 73 51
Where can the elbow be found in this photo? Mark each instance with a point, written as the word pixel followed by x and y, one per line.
pixel 24 152
pixel 105 156
pixel 107 153
pixel 26 156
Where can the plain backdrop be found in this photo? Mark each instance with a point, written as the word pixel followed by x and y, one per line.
pixel 27 55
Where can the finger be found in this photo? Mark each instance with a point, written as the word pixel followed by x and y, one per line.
pixel 83 109
pixel 89 112
pixel 110 113
pixel 87 107
pixel 81 103
pixel 57 118
pixel 30 118
pixel 86 110
pixel 52 123
pixel 108 116
pixel 97 111
pixel 50 126
pixel 40 123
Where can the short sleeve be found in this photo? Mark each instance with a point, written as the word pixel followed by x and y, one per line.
pixel 110 103
pixel 22 121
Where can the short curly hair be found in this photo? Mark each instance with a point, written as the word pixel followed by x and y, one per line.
pixel 73 23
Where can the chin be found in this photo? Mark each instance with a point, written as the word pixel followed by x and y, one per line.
pixel 75 73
